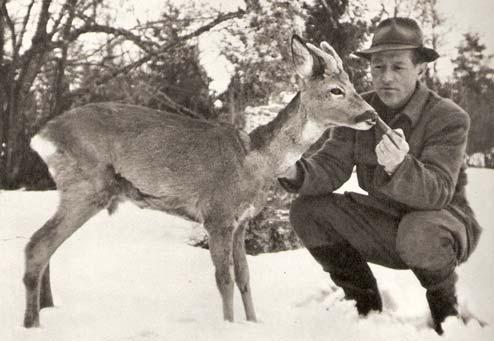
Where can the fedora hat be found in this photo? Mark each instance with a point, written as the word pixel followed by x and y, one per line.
pixel 398 33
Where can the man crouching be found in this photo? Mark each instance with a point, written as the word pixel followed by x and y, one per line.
pixel 415 215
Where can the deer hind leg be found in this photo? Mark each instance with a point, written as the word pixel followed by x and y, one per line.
pixel 71 214
pixel 242 271
pixel 46 298
pixel 220 247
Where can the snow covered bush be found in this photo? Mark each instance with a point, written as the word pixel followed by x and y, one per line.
pixel 489 158
pixel 269 231
pixel 476 160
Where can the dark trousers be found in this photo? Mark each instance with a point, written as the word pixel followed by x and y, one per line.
pixel 428 242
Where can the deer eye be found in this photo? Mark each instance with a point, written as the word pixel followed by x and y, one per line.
pixel 336 91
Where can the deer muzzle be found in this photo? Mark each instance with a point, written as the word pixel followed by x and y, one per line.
pixel 369 116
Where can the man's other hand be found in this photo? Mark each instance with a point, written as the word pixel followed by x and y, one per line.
pixel 391 150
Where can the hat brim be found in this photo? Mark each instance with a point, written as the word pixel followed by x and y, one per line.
pixel 429 55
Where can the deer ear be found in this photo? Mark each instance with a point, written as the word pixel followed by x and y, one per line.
pixel 328 49
pixel 306 63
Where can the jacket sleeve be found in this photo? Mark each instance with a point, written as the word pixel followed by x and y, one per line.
pixel 328 168
pixel 427 181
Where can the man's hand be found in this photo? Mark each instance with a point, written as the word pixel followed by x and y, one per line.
pixel 391 150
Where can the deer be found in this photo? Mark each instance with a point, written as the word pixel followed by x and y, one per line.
pixel 101 154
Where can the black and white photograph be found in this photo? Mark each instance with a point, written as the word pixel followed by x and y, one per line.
pixel 246 170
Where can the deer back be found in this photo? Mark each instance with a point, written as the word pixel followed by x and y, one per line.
pixel 177 162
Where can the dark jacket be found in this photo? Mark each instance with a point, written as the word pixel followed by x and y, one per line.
pixel 431 177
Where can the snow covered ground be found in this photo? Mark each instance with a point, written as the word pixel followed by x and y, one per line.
pixel 133 277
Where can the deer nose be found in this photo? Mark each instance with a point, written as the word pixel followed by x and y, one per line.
pixel 368 116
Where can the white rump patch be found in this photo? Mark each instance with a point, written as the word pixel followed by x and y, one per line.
pixel 43 147
pixel 311 131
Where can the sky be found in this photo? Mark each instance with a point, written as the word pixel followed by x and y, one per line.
pixel 470 16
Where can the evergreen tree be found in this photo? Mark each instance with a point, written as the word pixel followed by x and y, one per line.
pixel 343 26
pixel 179 75
pixel 258 46
pixel 474 91
pixel 472 67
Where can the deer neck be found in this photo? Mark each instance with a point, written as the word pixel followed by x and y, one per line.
pixel 282 141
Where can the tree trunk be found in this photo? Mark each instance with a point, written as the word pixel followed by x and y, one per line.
pixel 3 101
pixel 16 145
pixel 3 141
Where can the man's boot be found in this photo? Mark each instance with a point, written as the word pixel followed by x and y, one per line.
pixel 442 304
pixel 349 271
pixel 440 294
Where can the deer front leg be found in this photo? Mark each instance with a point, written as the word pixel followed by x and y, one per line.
pixel 242 272
pixel 220 247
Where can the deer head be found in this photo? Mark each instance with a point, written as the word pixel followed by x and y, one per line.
pixel 327 94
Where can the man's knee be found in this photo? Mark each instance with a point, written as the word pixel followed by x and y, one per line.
pixel 302 215
pixel 425 239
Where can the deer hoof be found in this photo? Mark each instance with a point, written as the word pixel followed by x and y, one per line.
pixel 31 321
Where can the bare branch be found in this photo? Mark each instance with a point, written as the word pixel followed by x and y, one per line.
pixel 384 10
pixel 58 20
pixel 97 28
pixel 61 63
pixel 148 24
pixel 33 57
pixel 77 63
pixel 86 55
pixel 24 26
pixel 2 44
pixel 70 5
pixel 44 16
pixel 167 47
pixel 11 26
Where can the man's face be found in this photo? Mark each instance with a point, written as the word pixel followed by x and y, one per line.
pixel 394 76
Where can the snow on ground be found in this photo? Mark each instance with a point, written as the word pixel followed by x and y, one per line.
pixel 133 277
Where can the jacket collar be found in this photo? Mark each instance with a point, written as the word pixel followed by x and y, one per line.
pixel 415 106
pixel 413 109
